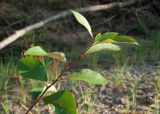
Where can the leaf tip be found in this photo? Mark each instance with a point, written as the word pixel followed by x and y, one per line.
pixel 136 43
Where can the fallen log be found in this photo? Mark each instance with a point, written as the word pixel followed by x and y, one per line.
pixel 19 33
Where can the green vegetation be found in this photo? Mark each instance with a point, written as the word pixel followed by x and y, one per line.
pixel 43 68
pixel 33 67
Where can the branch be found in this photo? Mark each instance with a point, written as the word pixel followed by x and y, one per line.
pixel 20 33
pixel 67 68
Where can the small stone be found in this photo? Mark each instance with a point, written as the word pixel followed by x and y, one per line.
pixel 117 100
pixel 125 100
pixel 102 89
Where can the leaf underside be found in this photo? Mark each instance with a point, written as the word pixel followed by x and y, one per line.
pixel 83 21
pixel 103 46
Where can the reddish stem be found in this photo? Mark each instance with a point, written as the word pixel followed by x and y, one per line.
pixel 67 68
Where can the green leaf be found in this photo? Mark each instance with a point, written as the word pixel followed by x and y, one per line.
pixel 38 51
pixel 103 46
pixel 32 68
pixel 108 35
pixel 82 20
pixel 121 39
pixel 35 92
pixel 57 55
pixel 114 37
pixel 88 75
pixel 35 51
pixel 59 109
pixel 64 99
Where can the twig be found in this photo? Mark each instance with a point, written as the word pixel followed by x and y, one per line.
pixel 67 68
pixel 20 33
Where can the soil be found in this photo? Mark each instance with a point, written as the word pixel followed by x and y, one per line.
pixel 108 99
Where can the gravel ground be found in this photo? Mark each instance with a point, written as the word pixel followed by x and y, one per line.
pixel 135 95
pixel 138 81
